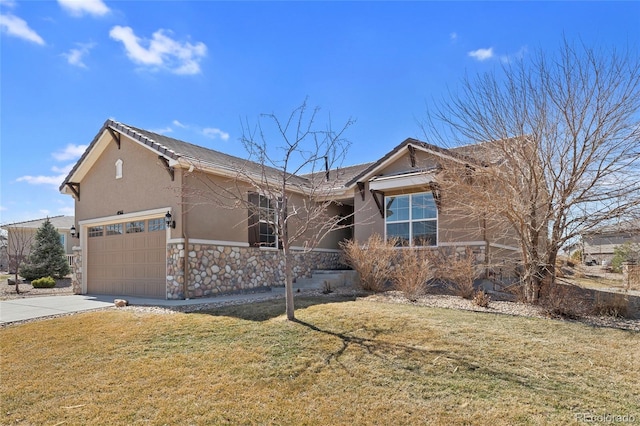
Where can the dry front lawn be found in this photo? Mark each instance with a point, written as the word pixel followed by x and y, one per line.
pixel 353 362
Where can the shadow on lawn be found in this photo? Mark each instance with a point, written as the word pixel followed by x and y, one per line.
pixel 265 310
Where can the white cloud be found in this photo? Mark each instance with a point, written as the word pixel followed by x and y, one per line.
pixel 70 152
pixel 3 209
pixel 453 36
pixel 214 133
pixel 18 27
pixel 8 3
pixel 162 52
pixel 482 54
pixel 75 56
pixel 518 55
pixel 179 124
pixel 82 7
pixel 42 180
pixel 57 179
pixel 163 131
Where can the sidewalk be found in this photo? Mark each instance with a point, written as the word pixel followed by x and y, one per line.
pixel 39 307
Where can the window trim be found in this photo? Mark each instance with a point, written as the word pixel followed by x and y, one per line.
pixel 257 218
pixel 411 221
pixel 119 163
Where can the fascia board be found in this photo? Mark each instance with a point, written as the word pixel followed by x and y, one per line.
pixel 402 181
pixel 401 152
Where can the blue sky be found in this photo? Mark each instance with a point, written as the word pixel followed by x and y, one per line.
pixel 193 69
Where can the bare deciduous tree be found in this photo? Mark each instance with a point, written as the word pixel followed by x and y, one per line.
pixel 560 138
pixel 287 178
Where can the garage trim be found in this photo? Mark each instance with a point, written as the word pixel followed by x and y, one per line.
pixel 85 224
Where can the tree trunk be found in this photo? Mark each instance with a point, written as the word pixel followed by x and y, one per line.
pixel 17 282
pixel 288 272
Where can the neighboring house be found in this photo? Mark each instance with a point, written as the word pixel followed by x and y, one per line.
pixel 599 244
pixel 21 235
pixel 4 254
pixel 143 232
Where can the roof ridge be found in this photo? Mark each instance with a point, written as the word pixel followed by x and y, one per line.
pixel 35 220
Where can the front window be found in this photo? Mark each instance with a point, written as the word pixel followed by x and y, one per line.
pixel 263 221
pixel 413 219
pixel 267 220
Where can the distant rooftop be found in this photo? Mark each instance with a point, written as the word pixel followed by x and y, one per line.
pixel 58 222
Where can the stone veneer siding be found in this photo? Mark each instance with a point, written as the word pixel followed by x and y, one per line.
pixel 218 269
pixel 76 271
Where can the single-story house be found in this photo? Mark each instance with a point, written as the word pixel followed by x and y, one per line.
pixel 21 235
pixel 599 244
pixel 140 232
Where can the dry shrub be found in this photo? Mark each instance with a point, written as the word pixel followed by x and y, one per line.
pixel 373 261
pixel 412 273
pixel 458 270
pixel 612 305
pixel 564 301
pixel 517 291
pixel 482 299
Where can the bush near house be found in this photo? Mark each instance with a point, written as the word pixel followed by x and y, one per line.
pixel 373 261
pixel 45 282
pixel 624 253
pixel 413 272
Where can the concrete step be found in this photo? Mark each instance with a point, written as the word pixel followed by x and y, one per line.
pixel 334 278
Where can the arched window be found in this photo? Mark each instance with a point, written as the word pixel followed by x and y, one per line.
pixel 119 169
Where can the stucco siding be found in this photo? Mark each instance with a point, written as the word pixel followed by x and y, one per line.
pixel 145 184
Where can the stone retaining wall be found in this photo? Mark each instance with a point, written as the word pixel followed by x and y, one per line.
pixel 218 269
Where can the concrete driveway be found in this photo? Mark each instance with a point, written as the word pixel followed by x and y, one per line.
pixel 44 306
pixel 37 307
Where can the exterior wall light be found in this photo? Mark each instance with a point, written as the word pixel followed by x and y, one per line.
pixel 168 220
pixel 74 233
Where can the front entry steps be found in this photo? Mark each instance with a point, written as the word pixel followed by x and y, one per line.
pixel 333 278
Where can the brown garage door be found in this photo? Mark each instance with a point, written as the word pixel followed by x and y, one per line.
pixel 127 258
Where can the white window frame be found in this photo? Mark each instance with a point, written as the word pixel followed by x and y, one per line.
pixel 119 169
pixel 411 221
pixel 263 218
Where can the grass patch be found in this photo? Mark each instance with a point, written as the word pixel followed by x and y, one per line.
pixel 355 362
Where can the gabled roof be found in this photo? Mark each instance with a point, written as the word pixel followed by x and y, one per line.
pixel 177 152
pixel 58 222
pixel 339 176
pixel 398 151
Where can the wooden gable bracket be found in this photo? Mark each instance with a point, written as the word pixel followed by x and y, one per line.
pixel 361 189
pixel 168 168
pixel 115 135
pixel 412 155
pixel 379 202
pixel 75 189
pixel 435 190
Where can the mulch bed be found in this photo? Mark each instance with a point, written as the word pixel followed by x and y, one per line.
pixel 8 292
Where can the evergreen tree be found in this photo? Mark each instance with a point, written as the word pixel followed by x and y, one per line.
pixel 47 257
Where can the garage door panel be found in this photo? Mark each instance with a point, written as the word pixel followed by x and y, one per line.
pixel 127 264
